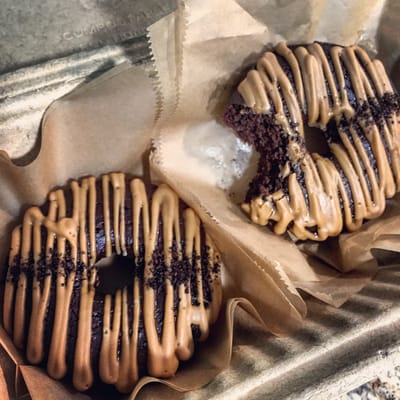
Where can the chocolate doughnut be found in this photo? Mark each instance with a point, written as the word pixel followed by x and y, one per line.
pixel 69 314
pixel 351 102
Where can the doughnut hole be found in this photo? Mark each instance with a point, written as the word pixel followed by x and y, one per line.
pixel 114 272
pixel 316 141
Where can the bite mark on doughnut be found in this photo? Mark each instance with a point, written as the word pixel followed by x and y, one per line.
pixel 350 99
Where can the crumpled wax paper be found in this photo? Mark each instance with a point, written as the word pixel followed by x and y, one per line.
pixel 198 53
pixel 218 42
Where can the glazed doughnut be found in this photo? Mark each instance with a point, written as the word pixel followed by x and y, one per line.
pixel 68 315
pixel 350 100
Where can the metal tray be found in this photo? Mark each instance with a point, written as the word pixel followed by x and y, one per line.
pixel 49 47
pixel 336 351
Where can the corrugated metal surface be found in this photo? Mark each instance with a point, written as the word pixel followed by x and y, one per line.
pixel 48 47
pixel 34 31
pixel 43 58
pixel 336 351
pixel 27 92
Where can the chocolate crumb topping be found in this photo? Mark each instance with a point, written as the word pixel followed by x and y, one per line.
pixel 351 100
pixel 163 290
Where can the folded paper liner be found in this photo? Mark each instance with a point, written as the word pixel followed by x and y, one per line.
pixel 211 168
pixel 198 53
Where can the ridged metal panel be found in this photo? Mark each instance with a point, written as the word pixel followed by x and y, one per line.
pixel 48 47
pixel 35 31
pixel 27 92
pixel 336 350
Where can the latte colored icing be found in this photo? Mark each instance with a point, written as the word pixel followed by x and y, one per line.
pixel 318 90
pixel 118 360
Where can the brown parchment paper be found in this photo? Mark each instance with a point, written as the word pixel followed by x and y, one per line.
pixel 91 131
pixel 198 52
pixel 108 125
pixel 220 39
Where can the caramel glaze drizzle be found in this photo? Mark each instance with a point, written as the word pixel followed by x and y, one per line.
pixel 269 85
pixel 115 367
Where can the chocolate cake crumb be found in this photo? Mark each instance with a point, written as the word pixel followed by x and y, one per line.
pixel 271 141
pixel 51 263
pixel 268 139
